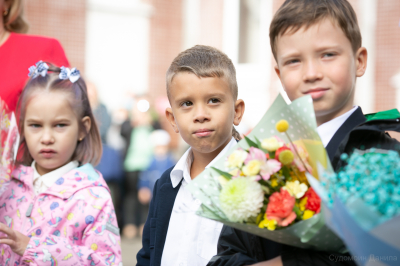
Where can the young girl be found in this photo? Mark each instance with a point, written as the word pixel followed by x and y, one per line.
pixel 58 209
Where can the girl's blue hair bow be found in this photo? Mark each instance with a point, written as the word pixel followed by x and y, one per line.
pixel 39 69
pixel 72 74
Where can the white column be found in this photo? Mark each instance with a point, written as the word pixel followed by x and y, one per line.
pixel 191 23
pixel 365 90
pixel 117 48
pixel 230 25
pixel 253 78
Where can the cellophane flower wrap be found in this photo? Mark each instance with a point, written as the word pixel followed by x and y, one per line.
pixel 362 205
pixel 260 186
pixel 9 139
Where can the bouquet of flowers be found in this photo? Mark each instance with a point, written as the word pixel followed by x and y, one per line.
pixel 363 205
pixel 261 185
pixel 9 140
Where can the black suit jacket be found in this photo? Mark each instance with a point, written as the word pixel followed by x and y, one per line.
pixel 156 226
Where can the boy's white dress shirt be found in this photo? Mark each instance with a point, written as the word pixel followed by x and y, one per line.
pixel 43 182
pixel 191 240
pixel 328 129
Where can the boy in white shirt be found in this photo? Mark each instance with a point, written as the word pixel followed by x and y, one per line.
pixel 202 90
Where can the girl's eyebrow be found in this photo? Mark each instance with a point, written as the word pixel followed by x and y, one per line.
pixel 31 120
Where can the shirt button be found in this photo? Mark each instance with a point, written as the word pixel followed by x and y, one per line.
pixel 198 201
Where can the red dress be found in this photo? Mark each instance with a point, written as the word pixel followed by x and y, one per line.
pixel 17 54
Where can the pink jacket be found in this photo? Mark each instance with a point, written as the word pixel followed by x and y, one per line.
pixel 72 223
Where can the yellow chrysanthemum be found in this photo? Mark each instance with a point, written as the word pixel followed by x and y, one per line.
pixel 308 214
pixel 269 224
pixel 236 159
pixel 296 189
pixel 252 168
pixel 286 157
pixel 271 144
pixel 282 125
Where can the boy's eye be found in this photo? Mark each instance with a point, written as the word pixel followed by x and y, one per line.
pixel 61 125
pixel 34 125
pixel 292 61
pixel 328 55
pixel 213 100
pixel 187 103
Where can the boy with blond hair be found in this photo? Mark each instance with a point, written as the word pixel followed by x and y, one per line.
pixel 202 91
pixel 317 48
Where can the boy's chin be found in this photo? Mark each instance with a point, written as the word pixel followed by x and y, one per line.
pixel 205 146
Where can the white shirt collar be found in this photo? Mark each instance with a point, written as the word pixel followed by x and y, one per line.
pixel 51 177
pixel 328 129
pixel 182 167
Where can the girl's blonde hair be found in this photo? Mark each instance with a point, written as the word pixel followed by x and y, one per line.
pixel 88 150
pixel 14 21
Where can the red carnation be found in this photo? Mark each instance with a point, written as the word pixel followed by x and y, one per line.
pixel 313 201
pixel 280 208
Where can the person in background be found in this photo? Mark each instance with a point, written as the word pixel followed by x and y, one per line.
pixel 161 161
pixel 19 51
pixel 110 164
pixel 138 156
pixel 100 111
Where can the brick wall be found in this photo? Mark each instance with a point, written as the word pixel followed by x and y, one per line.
pixel 165 44
pixel 387 53
pixel 165 41
pixel 63 20
pixel 211 22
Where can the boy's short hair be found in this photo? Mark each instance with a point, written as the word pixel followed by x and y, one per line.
pixel 204 61
pixel 294 14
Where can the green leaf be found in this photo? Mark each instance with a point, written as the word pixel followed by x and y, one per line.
pixel 250 142
pixel 224 174
pixel 298 212
pixel 259 145
pixel 266 189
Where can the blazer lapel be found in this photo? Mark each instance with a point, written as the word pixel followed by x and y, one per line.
pixel 354 120
pixel 167 197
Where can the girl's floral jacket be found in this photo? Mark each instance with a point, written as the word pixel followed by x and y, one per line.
pixel 72 223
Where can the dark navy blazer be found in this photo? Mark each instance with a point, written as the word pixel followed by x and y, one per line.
pixel 156 227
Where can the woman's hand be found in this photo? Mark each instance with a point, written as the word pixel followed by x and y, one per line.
pixel 17 241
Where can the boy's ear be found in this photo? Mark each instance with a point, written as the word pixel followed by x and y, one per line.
pixel 239 110
pixel 361 61
pixel 87 124
pixel 171 118
pixel 277 71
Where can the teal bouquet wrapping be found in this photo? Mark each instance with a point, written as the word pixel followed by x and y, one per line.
pixel 362 205
pixel 260 185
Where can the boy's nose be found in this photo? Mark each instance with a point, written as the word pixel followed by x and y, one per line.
pixel 201 114
pixel 312 72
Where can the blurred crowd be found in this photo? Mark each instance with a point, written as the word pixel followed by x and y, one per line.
pixel 136 151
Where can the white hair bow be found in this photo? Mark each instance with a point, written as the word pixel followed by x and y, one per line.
pixel 39 69
pixel 72 74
